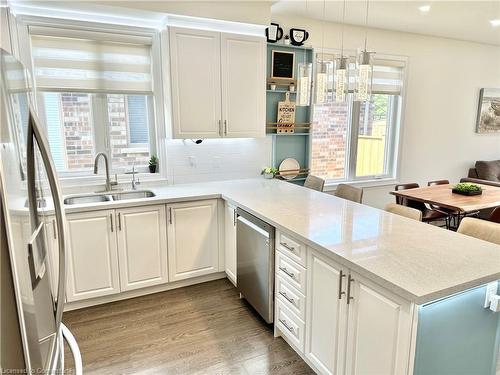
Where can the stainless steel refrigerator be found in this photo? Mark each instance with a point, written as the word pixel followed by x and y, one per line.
pixel 31 209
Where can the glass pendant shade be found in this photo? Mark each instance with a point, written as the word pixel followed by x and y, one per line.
pixel 341 79
pixel 324 82
pixel 304 78
pixel 364 75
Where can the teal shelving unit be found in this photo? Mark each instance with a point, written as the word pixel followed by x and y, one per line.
pixel 295 145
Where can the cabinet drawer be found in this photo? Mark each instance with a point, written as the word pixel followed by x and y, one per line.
pixel 290 326
pixel 291 272
pixel 291 298
pixel 292 248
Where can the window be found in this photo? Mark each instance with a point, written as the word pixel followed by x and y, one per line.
pixel 355 141
pixel 95 93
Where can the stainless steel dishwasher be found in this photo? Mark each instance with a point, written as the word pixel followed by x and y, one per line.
pixel 255 263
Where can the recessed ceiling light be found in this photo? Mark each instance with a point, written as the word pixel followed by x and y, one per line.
pixel 495 22
pixel 424 8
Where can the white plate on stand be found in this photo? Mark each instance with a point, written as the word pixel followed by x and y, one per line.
pixel 289 168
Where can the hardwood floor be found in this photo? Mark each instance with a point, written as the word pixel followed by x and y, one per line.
pixel 201 329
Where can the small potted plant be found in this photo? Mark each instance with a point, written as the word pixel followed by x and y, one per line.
pixel 286 40
pixel 466 188
pixel 269 172
pixel 153 163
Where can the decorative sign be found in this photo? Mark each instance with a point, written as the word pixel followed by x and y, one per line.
pixel 286 116
pixel 298 36
pixel 274 33
pixel 282 65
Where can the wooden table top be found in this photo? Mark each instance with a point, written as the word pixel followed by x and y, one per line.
pixel 441 195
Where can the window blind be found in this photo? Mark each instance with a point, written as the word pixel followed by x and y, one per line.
pixel 84 61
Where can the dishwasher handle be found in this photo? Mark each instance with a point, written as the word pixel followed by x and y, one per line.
pixel 256 228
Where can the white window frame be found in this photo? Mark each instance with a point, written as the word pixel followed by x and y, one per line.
pixel 394 141
pixel 157 117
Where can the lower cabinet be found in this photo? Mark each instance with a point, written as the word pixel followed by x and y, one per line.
pixel 116 250
pixel 379 330
pixel 92 255
pixel 142 246
pixel 352 325
pixel 230 242
pixel 193 239
pixel 326 312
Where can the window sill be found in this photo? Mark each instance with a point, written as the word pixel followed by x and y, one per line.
pixel 332 186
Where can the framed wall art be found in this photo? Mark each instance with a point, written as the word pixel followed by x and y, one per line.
pixel 488 112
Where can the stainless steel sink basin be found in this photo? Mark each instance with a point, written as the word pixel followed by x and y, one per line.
pixel 133 195
pixel 81 199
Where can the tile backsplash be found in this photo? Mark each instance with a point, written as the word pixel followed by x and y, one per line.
pixel 216 159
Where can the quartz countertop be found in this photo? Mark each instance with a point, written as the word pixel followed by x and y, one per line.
pixel 417 261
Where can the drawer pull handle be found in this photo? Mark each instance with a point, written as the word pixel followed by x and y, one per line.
pixel 287 326
pixel 291 274
pixel 291 300
pixel 286 246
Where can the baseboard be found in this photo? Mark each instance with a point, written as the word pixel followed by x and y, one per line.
pixel 142 292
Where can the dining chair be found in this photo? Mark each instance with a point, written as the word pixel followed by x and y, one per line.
pixel 438 182
pixel 495 215
pixel 482 229
pixel 349 192
pixel 452 213
pixel 314 182
pixel 429 215
pixel 405 211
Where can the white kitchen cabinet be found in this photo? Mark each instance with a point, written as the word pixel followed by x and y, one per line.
pixel 193 239
pixel 379 330
pixel 230 242
pixel 218 84
pixel 92 255
pixel 326 314
pixel 195 82
pixel 142 246
pixel 243 85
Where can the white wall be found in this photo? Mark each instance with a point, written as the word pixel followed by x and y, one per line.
pixel 214 159
pixel 444 78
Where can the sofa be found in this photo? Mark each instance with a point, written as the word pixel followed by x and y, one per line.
pixel 484 172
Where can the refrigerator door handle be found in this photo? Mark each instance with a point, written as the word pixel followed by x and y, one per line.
pixel 35 135
pixel 75 350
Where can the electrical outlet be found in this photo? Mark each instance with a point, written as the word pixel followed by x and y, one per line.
pixel 192 161
pixel 491 290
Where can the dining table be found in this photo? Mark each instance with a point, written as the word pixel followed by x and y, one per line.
pixel 443 196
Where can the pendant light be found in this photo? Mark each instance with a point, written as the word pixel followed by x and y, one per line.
pixel 304 81
pixel 364 68
pixel 341 69
pixel 324 71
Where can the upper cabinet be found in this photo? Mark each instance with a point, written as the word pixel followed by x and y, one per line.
pixel 243 86
pixel 218 84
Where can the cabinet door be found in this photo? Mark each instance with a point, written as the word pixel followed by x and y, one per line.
pixel 195 80
pixel 243 85
pixel 379 330
pixel 193 240
pixel 230 242
pixel 142 246
pixel 326 315
pixel 92 255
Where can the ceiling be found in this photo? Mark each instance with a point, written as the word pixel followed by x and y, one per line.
pixel 464 20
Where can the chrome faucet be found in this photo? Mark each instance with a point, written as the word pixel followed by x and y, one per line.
pixel 109 183
pixel 134 182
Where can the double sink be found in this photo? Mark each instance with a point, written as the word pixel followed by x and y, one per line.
pixel 108 197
